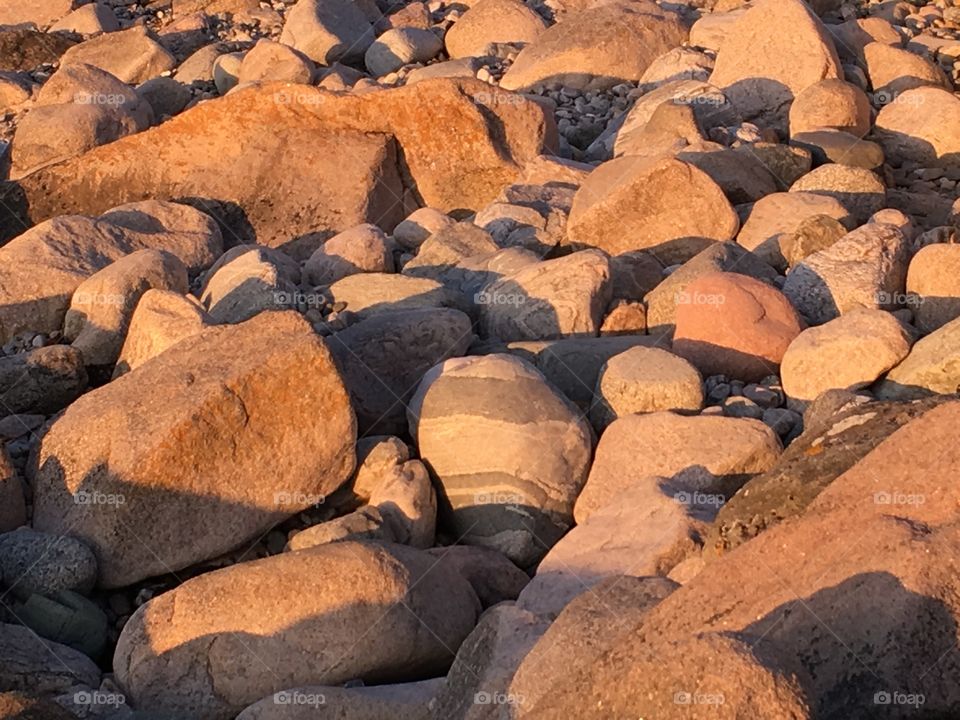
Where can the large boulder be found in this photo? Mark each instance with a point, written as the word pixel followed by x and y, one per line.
pixel 378 613
pixel 731 324
pixel 384 357
pixel 41 13
pixel 134 55
pixel 492 21
pixel 520 499
pixel 475 142
pixel 706 454
pixel 922 127
pixel 865 268
pixel 597 48
pixel 661 204
pixel 849 352
pixel 933 366
pixel 776 50
pixel 933 286
pixel 328 31
pixel 40 270
pixel 551 299
pixel 170 470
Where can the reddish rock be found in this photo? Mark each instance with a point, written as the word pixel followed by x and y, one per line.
pixel 734 325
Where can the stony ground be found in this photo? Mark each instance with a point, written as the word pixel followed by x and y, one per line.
pixel 370 359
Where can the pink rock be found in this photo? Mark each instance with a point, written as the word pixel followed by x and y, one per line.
pixel 734 325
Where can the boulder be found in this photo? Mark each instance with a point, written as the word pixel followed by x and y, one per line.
pixel 401 46
pixel 931 367
pixel 730 324
pixel 362 249
pixel 18 706
pixel 816 233
pixel 597 48
pixel 33 562
pixel 42 381
pixel 328 31
pixel 90 19
pixel 833 104
pixel 41 13
pixel 492 21
pixel 40 270
pixel 775 51
pixel 520 499
pixel 667 206
pixel 297 200
pixel 645 379
pixel 246 280
pixel 23 48
pixel 269 61
pixel 551 299
pixel 894 70
pixel 663 300
pixel 933 286
pixel 177 447
pixel 743 177
pixel 13 506
pixel 413 231
pixel 318 636
pixel 646 530
pixel 494 578
pixel 865 268
pixel 849 352
pixel 160 320
pixel 840 147
pixel 706 454
pixel 102 305
pixel 45 668
pixel 134 55
pixel 861 191
pixel 404 701
pixel 384 357
pixel 928 138
pixel 774 218
pixel 365 294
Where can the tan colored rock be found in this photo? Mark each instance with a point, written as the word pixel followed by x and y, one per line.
pixel 708 454
pixel 42 381
pixel 774 218
pixel 493 577
pixel 852 36
pixel 102 305
pixel 551 299
pixel 161 319
pixel 412 232
pixel 19 706
pixel 865 268
pixel 328 31
pixel 297 200
pixel 401 46
pixel 859 190
pixel 922 126
pixel 730 324
pixel 646 530
pixel 366 294
pixel 363 249
pixel 269 61
pixel 893 70
pixel 933 286
pixel 645 380
pixel 133 55
pixel 682 63
pixel 319 635
pixel 666 205
pixel 624 317
pixel 246 280
pixel 492 21
pixel 597 48
pixel 743 177
pixel 41 268
pixel 42 12
pixel 847 353
pixel 91 19
pixel 831 103
pixel 931 367
pixel 179 447
pixel 518 500
pixel 711 29
pixel 775 51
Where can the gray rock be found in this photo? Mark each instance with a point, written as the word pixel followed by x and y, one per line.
pixel 33 562
pixel 41 381
pixel 328 30
pixel 45 669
